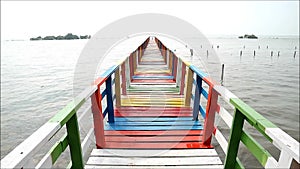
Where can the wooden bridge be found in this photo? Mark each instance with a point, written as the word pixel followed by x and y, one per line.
pixel 154 110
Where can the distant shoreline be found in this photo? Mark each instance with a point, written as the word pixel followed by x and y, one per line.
pixel 69 36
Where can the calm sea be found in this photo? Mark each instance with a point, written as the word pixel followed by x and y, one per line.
pixel 37 79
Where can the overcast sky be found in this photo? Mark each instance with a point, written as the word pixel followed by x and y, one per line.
pixel 22 20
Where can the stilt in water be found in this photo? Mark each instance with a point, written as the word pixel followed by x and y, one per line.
pixel 222 75
pixel 192 52
pixel 271 53
pixel 206 53
pixel 241 53
pixel 295 54
pixel 254 53
pixel 258 46
pixel 278 54
pixel 267 47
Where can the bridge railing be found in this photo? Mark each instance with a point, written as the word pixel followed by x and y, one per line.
pixel 22 155
pixel 103 94
pixel 289 147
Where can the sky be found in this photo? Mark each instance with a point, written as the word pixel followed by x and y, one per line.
pixel 25 19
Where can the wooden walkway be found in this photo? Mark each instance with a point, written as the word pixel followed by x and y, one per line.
pixel 153 128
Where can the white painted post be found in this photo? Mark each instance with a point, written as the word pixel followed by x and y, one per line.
pixel 127 72
pixel 178 78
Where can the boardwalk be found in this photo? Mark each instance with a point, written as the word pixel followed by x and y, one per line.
pixel 153 121
pixel 153 109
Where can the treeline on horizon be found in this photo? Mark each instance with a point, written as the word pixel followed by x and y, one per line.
pixel 69 36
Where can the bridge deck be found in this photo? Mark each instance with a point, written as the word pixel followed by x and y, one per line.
pixel 153 128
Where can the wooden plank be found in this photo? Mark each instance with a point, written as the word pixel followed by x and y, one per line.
pixel 123 85
pixel 189 85
pixel 154 161
pixel 152 114
pixel 183 74
pixel 155 167
pixel 152 139
pixel 151 119
pixel 169 81
pixel 154 153
pixel 151 77
pixel 153 133
pixel 165 123
pixel 150 128
pixel 117 88
pixel 155 108
pixel 284 142
pixel 24 151
pixel 211 109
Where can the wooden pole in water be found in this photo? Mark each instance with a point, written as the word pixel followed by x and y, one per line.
pixel 254 53
pixel 192 52
pixel 278 53
pixel 241 53
pixel 295 54
pixel 222 75
pixel 271 53
pixel 207 53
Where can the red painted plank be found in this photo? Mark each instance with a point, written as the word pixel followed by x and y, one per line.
pixel 157 132
pixel 152 138
pixel 153 81
pixel 174 145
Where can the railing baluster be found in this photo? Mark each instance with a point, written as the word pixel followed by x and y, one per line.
pixel 182 79
pixel 234 140
pixel 98 119
pixel 117 87
pixel 74 142
pixel 189 86
pixel 110 104
pixel 123 86
pixel 211 108
pixel 198 90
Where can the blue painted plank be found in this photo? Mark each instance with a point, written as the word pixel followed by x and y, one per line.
pixel 198 71
pixel 109 71
pixel 150 119
pixel 204 93
pixel 202 111
pixel 116 127
pixel 103 94
pixel 105 112
pixel 176 123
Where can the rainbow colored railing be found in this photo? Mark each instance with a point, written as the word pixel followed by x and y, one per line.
pixel 193 84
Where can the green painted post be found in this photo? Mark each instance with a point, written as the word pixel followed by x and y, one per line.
pixel 74 142
pixel 234 140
